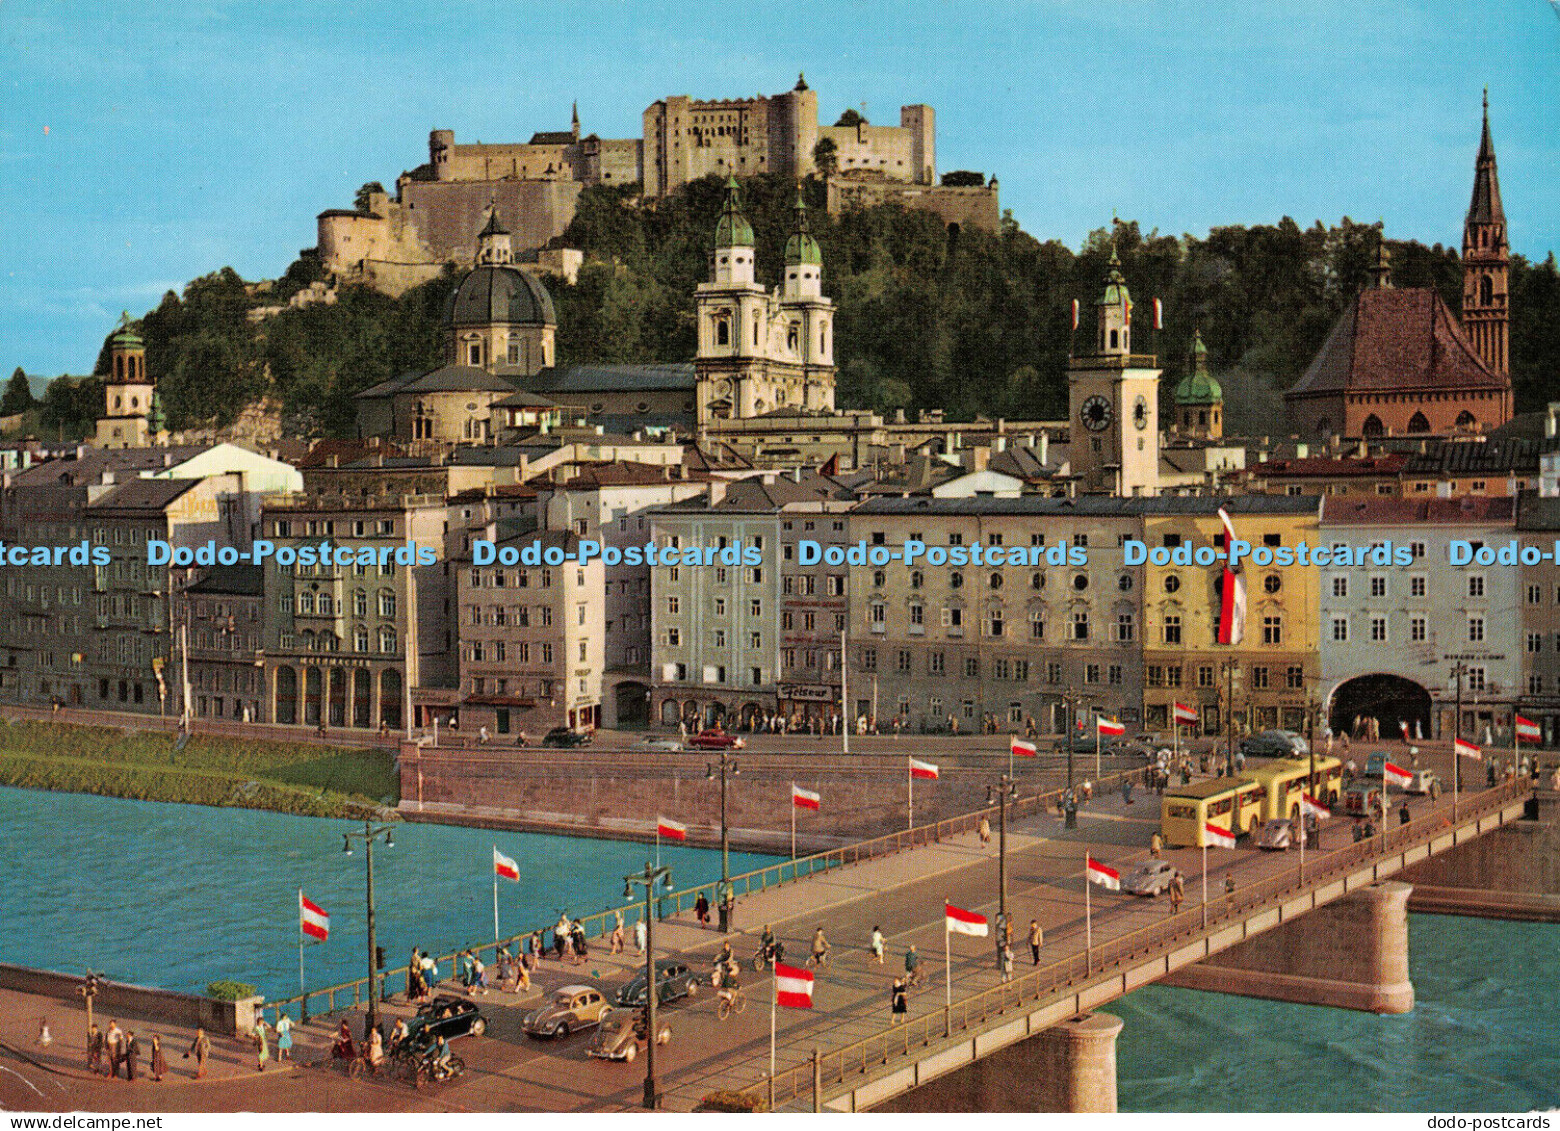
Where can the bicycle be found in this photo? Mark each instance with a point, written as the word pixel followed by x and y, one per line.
pixel 730 1001
pixel 818 958
pixel 427 1070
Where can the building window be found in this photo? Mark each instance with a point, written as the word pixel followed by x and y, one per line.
pixel 1080 625
pixel 1340 630
pixel 1294 678
pixel 935 664
pixel 1259 678
pixel 1340 587
pixel 1378 630
pixel 1475 630
pixel 1126 628
pixel 1476 680
pixel 1272 629
pixel 1037 625
pixel 1172 628
pixel 1535 642
pixel 1416 586
pixel 1418 630
pixel 1053 672
pixel 1378 586
pixel 1476 585
pixel 1091 673
pixel 971 667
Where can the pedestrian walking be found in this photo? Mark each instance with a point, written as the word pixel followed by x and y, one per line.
pixel 132 1055
pixel 617 933
pixel 262 1047
pixel 898 1002
pixel 114 1047
pixel 45 1038
pixel 430 975
pixel 200 1049
pixel 701 910
pixel 284 1042
pixel 413 965
pixel 1005 963
pixel 877 945
pixel 912 965
pixel 94 1049
pixel 985 831
pixel 159 1061
pixel 1036 940
pixel 1403 814
pixel 639 935
pixel 1229 889
pixel 1156 845
pixel 1126 791
pixel 1177 892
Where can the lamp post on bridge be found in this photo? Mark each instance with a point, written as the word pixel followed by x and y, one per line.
pixel 1007 786
pixel 1072 699
pixel 728 763
pixel 649 879
pixel 370 833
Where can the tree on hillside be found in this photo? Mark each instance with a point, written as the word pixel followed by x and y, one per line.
pixel 826 156
pixel 850 119
pixel 70 406
pixel 18 394
pixel 964 178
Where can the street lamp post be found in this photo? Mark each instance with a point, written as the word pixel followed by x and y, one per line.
pixel 652 875
pixel 1006 787
pixel 370 833
pixel 727 762
pixel 1071 700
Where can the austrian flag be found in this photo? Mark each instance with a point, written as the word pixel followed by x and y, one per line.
pixel 927 770
pixel 1021 749
pixel 1186 716
pixel 962 922
pixel 1102 874
pixel 1232 591
pixel 670 829
pixel 1466 749
pixel 1109 726
pixel 1397 775
pixel 312 919
pixel 505 868
pixel 1311 807
pixel 793 986
pixel 804 799
pixel 1527 730
pixel 1215 837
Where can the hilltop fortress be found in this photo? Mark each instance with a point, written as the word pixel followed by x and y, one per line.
pixel 398 241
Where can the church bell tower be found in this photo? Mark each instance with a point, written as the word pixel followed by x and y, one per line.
pixel 1486 261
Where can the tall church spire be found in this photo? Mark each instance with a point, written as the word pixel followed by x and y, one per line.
pixel 1486 260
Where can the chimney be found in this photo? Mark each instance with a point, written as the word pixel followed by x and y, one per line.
pixel 1549 419
pixel 717 491
pixel 1262 456
pixel 796 474
pixel 1045 447
pixel 1302 450
pixel 899 416
pixel 999 443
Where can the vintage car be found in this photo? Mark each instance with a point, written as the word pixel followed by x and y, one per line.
pixel 570 1009
pixel 715 740
pixel 658 742
pixel 1149 878
pixel 1278 835
pixel 1275 744
pixel 673 980
pixel 564 737
pixel 621 1033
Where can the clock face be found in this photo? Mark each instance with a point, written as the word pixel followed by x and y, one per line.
pixel 1140 413
pixel 1095 413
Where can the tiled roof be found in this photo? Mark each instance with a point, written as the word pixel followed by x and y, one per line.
pixel 1374 510
pixel 1395 339
pixel 1096 506
pixel 144 494
pixel 1333 467
pixel 613 378
pixel 236 580
pixel 1478 457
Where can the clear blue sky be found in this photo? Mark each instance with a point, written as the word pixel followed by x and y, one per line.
pixel 142 145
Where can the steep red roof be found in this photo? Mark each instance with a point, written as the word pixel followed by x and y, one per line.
pixel 1393 340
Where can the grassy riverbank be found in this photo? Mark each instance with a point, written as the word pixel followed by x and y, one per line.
pixel 309 780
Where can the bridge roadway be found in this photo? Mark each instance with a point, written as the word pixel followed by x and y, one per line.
pixel 864 1060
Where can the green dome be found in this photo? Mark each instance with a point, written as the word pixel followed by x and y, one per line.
pixel 1198 386
pixel 123 337
pixel 1115 285
pixel 801 247
pixel 733 230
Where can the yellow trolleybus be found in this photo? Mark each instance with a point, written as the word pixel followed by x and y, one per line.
pixel 1230 803
pixel 1283 780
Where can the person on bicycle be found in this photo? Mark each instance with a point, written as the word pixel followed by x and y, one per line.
pixel 439 1057
pixel 766 944
pixel 398 1035
pixel 820 948
pixel 913 965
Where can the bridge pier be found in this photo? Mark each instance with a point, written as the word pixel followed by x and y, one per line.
pixel 1350 954
pixel 1070 1067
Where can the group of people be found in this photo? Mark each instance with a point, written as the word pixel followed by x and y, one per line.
pixel 114 1049
pixel 569 939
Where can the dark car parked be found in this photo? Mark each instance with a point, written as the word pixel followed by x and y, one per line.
pixel 447 1016
pixel 563 736
pixel 673 980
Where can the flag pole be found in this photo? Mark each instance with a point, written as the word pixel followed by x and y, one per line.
pixel 495 899
pixel 1205 877
pixel 1097 749
pixel 1088 917
pixel 910 772
pixel 947 976
pixel 774 999
pixel 793 827
pixel 301 988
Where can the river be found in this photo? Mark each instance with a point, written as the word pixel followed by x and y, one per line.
pixel 179 895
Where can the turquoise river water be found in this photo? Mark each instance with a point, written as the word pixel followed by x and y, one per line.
pixel 179 895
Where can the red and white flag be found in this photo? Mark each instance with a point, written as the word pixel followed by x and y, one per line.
pixel 1021 749
pixel 793 986
pixel 927 770
pixel 1215 837
pixel 962 922
pixel 668 829
pixel 1109 726
pixel 1186 716
pixel 503 867
pixel 803 798
pixel 1394 774
pixel 1527 730
pixel 1311 807
pixel 312 918
pixel 1232 592
pixel 1465 749
pixel 1102 874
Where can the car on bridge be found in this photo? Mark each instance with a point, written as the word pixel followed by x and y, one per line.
pixel 673 979
pixel 1150 878
pixel 1275 744
pixel 715 740
pixel 446 1016
pixel 1278 835
pixel 621 1033
pixel 565 738
pixel 657 742
pixel 570 1009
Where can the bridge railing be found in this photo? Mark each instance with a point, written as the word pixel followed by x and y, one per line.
pixel 1058 978
pixel 602 923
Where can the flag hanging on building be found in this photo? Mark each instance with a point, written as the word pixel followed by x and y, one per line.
pixel 1527 730
pixel 962 922
pixel 312 919
pixel 1394 774
pixel 1159 315
pixel 1102 874
pixel 1186 716
pixel 503 867
pixel 1215 837
pixel 803 798
pixel 1232 591
pixel 793 986
pixel 1311 807
pixel 1466 749
pixel 1108 726
pixel 669 829
pixel 1021 749
pixel 927 770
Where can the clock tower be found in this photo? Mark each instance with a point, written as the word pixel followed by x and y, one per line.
pixel 1113 403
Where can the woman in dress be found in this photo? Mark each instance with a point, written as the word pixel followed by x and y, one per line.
pixel 262 1047
pixel 159 1061
pixel 283 1038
